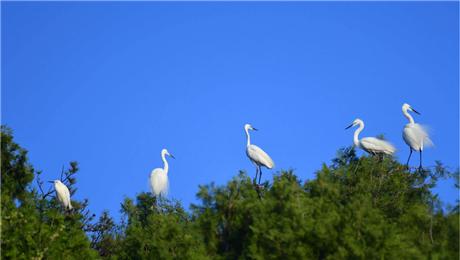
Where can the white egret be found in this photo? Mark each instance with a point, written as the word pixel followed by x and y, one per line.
pixel 370 144
pixel 159 177
pixel 257 155
pixel 415 135
pixel 63 194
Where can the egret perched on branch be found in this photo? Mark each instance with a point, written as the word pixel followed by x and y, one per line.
pixel 159 177
pixel 63 194
pixel 257 155
pixel 415 135
pixel 370 144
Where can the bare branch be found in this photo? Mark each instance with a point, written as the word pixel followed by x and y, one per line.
pixel 39 184
pixel 49 192
pixel 411 167
pixel 431 223
pixel 62 172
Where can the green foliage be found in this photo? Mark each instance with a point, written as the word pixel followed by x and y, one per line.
pixel 355 208
pixel 17 173
pixel 32 226
pixel 165 232
pixel 456 177
pixel 105 236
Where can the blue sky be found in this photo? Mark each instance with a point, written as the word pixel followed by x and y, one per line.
pixel 110 84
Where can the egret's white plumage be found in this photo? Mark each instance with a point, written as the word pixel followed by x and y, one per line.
pixel 159 177
pixel 257 155
pixel 63 194
pixel 415 135
pixel 370 144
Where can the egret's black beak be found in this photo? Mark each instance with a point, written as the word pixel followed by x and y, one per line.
pixel 254 129
pixel 349 126
pixel 172 156
pixel 413 110
pixel 51 181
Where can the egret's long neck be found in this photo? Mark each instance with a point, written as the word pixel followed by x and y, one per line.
pixel 166 168
pixel 411 120
pixel 355 137
pixel 247 134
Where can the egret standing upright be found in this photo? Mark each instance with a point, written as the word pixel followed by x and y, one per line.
pixel 159 177
pixel 257 155
pixel 370 144
pixel 63 194
pixel 414 135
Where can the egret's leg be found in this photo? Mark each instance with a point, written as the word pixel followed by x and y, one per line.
pixel 420 159
pixel 257 170
pixel 160 211
pixel 407 164
pixel 376 155
pixel 260 175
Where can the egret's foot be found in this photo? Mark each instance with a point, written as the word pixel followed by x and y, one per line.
pixel 258 190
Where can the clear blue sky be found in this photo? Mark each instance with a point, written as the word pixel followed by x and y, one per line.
pixel 110 84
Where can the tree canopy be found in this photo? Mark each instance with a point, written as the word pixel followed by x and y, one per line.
pixel 354 208
pixel 32 225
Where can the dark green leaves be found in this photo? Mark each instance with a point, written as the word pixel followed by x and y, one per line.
pixel 355 208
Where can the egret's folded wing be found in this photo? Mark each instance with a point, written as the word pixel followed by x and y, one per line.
pixel 376 145
pixel 258 156
pixel 410 137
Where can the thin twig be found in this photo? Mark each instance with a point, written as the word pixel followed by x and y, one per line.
pixel 381 168
pixel 40 186
pixel 38 183
pixel 49 192
pixel 372 169
pixel 411 167
pixel 391 172
pixel 359 162
pixel 62 172
pixel 431 223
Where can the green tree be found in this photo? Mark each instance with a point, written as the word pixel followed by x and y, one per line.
pixel 356 208
pixel 32 225
pixel 163 233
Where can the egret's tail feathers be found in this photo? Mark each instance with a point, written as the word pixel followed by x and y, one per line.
pixel 387 152
pixel 165 191
pixel 424 131
pixel 427 143
pixel 389 148
pixel 159 184
pixel 270 163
